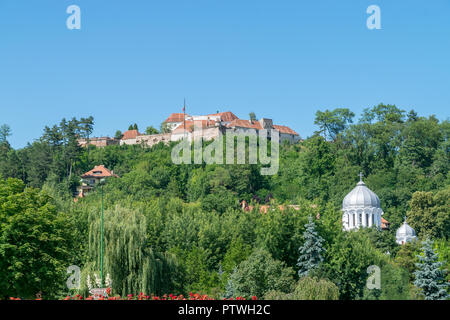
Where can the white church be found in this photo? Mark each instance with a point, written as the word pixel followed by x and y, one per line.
pixel 361 209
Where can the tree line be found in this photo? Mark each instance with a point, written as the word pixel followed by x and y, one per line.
pixel 182 228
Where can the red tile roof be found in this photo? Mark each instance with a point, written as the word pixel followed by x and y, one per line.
pixel 245 124
pixel 99 172
pixel 384 223
pixel 226 116
pixel 176 117
pixel 189 125
pixel 130 134
pixel 284 129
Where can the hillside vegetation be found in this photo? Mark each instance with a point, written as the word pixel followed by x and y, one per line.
pixel 180 228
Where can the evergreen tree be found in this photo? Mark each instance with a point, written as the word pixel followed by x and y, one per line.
pixel 229 288
pixel 311 251
pixel 429 277
pixel 5 132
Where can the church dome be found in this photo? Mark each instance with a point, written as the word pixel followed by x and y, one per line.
pixel 405 234
pixel 405 230
pixel 361 196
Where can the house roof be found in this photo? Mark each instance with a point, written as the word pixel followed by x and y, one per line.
pixel 130 134
pixel 245 124
pixel 99 172
pixel 226 116
pixel 285 129
pixel 176 117
pixel 189 125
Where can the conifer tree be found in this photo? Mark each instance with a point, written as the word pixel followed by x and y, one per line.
pixel 430 278
pixel 229 289
pixel 311 251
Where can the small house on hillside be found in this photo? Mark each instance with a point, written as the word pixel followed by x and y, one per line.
pixel 91 178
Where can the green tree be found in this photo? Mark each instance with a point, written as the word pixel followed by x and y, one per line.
pixel 311 250
pixel 151 130
pixel 347 260
pixel 429 214
pixel 430 278
pixel 35 242
pixel 133 265
pixel 394 285
pixel 197 274
pixel 420 140
pixel 331 123
pixel 383 113
pixel 308 288
pixel 406 257
pixel 5 132
pixel 259 274
pixel 86 127
pixel 237 252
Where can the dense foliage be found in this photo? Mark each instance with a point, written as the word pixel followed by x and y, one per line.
pixel 180 228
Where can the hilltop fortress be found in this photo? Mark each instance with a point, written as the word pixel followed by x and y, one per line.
pixel 180 126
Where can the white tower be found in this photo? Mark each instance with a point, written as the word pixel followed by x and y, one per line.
pixel 405 234
pixel 361 208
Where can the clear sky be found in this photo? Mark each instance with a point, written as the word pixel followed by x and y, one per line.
pixel 135 60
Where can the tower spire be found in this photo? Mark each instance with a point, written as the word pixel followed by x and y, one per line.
pixel 360 176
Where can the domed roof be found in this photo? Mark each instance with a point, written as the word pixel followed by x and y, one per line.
pixel 361 196
pixel 405 230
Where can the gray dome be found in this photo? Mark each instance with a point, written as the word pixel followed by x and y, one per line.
pixel 361 196
pixel 405 230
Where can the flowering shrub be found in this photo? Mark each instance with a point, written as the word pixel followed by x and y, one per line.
pixel 142 296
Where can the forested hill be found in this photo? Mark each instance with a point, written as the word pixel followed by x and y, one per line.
pixel 186 219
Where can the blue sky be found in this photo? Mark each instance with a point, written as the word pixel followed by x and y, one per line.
pixel 135 61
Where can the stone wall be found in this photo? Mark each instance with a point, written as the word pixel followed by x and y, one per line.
pixel 98 142
pixel 151 140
